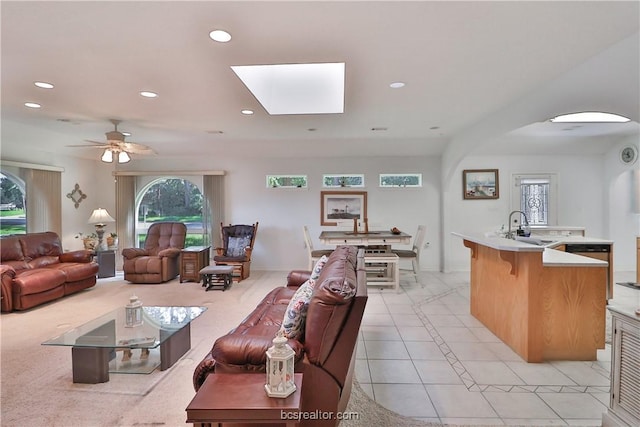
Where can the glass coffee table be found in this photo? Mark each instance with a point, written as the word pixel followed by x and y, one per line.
pixel 105 344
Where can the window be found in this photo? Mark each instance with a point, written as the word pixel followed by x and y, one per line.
pixel 401 180
pixel 171 199
pixel 286 181
pixel 332 181
pixel 535 196
pixel 12 211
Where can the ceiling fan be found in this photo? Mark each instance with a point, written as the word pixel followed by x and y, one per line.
pixel 116 148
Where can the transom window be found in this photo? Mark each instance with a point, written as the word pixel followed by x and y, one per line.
pixel 286 181
pixel 342 180
pixel 400 180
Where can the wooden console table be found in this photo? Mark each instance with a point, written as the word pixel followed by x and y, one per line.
pixel 241 398
pixel 192 260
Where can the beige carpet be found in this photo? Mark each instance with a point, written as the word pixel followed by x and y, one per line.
pixel 36 380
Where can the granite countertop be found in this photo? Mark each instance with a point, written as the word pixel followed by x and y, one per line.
pixel 550 257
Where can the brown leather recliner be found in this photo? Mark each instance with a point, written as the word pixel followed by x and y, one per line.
pixel 159 260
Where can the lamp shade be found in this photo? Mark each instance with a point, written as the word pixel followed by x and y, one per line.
pixel 123 157
pixel 100 216
pixel 107 156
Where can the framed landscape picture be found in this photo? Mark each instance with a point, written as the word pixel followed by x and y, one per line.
pixel 342 206
pixel 480 184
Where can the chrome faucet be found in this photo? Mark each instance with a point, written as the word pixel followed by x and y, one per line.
pixel 526 223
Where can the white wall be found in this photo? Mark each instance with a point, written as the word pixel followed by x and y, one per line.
pixel 580 198
pixel 622 218
pixel 594 192
pixel 282 212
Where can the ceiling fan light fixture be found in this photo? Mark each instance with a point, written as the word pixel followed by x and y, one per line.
pixel 107 156
pixel 590 117
pixel 123 157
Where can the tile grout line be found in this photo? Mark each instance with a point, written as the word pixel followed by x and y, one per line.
pixel 466 377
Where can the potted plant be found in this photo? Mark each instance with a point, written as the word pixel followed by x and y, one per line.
pixel 112 241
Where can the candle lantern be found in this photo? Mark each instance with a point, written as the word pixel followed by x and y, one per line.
pixel 280 361
pixel 133 312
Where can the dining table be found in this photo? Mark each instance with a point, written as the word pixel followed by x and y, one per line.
pixel 369 238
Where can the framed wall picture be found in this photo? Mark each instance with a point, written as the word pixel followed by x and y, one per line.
pixel 480 184
pixel 338 206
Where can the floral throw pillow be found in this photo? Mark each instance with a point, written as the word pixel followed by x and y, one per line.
pixel 237 245
pixel 296 313
pixel 315 273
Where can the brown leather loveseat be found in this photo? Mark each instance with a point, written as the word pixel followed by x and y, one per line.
pixel 35 270
pixel 325 353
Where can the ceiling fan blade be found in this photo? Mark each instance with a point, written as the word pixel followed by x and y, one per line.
pixel 96 144
pixel 135 148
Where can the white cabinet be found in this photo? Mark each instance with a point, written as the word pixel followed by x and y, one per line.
pixel 624 403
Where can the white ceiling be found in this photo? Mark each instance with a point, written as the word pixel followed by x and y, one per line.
pixel 495 70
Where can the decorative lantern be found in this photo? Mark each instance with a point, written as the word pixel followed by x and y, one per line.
pixel 280 361
pixel 133 312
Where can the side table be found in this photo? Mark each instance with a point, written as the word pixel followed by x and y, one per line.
pixel 241 398
pixel 107 263
pixel 192 260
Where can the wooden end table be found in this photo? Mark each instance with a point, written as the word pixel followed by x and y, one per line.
pixel 192 260
pixel 241 398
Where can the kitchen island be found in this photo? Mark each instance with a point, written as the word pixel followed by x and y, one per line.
pixel 544 303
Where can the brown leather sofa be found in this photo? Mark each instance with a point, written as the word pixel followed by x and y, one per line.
pixel 325 354
pixel 159 260
pixel 34 270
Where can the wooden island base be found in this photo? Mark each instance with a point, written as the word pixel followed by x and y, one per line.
pixel 543 310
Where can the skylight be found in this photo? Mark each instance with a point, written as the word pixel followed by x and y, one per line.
pixel 590 117
pixel 296 88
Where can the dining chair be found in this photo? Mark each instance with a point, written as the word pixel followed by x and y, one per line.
pixel 414 253
pixel 314 255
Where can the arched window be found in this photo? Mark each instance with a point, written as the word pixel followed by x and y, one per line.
pixel 13 217
pixel 170 199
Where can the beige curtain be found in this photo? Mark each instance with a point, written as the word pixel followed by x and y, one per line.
pixel 125 214
pixel 213 208
pixel 43 200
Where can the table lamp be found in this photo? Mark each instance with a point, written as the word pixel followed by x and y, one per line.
pixel 100 217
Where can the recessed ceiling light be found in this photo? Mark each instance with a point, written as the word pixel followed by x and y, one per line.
pixel 247 112
pixel 148 94
pixel 396 85
pixel 32 105
pixel 220 36
pixel 43 85
pixel 590 116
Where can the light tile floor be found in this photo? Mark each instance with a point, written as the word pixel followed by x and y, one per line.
pixel 423 355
